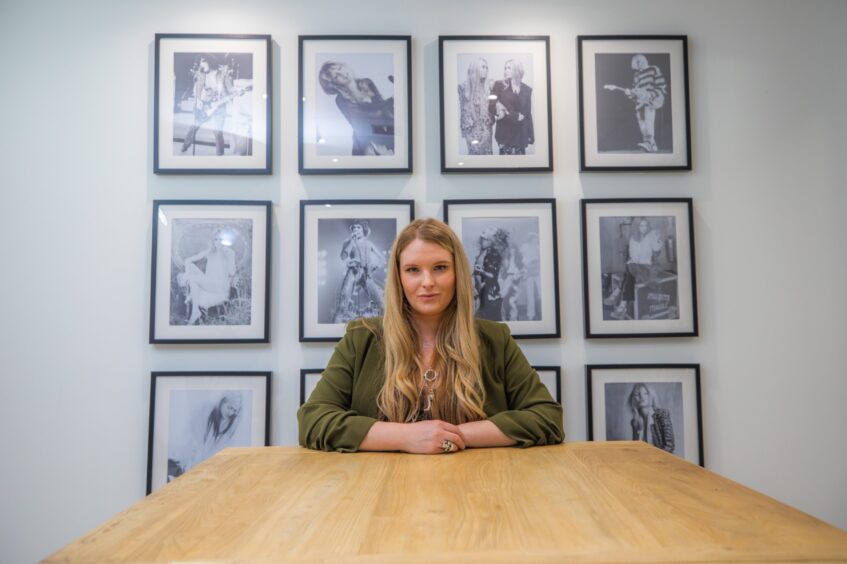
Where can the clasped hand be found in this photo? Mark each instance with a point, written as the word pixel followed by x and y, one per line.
pixel 427 437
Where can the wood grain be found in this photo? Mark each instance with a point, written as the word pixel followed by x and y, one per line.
pixel 578 502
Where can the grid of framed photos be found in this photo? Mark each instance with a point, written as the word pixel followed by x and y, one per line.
pixel 212 104
pixel 344 246
pixel 193 415
pixel 495 103
pixel 512 249
pixel 211 260
pixel 655 403
pixel 633 102
pixel 355 104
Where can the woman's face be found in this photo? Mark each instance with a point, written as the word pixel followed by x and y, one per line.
pixel 228 409
pixel 484 242
pixel 340 74
pixel 428 277
pixel 642 396
pixel 358 231
pixel 643 227
pixel 483 68
pixel 508 71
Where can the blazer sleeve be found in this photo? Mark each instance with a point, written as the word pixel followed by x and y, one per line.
pixel 326 421
pixel 533 417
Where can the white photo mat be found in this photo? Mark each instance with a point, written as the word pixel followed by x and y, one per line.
pixel 167 384
pixel 167 213
pixel 315 100
pixel 593 158
pixel 259 94
pixel 548 324
pixel 537 50
pixel 685 284
pixel 312 212
pixel 686 376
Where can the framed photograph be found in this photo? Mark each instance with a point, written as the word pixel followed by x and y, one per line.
pixel 344 247
pixel 355 104
pixel 512 248
pixel 655 403
pixel 193 415
pixel 212 104
pixel 551 376
pixel 495 103
pixel 309 378
pixel 633 102
pixel 210 275
pixel 638 268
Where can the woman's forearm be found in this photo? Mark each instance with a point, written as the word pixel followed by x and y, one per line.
pixel 484 434
pixel 383 436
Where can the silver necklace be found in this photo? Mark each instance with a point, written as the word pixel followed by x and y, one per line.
pixel 429 378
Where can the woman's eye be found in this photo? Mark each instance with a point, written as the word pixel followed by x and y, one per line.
pixel 441 267
pixel 412 269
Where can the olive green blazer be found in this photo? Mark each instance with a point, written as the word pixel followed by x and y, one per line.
pixel 342 408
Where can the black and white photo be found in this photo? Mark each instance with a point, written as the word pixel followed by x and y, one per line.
pixel 212 107
pixel 495 103
pixel 638 268
pixel 209 273
pixel 511 246
pixel 343 257
pixel 193 415
pixel 355 104
pixel 658 404
pixel 634 103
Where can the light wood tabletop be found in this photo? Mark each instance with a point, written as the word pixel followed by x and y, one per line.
pixel 576 502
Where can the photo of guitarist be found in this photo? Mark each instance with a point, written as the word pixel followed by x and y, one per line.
pixel 648 92
pixel 213 90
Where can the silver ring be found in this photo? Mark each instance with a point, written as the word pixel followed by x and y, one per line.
pixel 447 446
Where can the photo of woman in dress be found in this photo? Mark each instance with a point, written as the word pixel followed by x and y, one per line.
pixel 359 294
pixel 477 119
pixel 369 114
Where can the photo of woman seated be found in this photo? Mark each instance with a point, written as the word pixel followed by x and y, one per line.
pixel 427 377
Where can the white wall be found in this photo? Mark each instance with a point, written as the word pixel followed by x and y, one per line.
pixel 768 85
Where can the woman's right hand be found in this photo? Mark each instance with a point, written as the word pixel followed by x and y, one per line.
pixel 427 437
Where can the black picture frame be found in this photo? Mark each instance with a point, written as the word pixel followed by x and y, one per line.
pixel 340 117
pixel 626 297
pixel 247 146
pixel 326 299
pixel 687 397
pixel 196 393
pixel 470 219
pixel 233 318
pixel 628 127
pixel 548 372
pixel 308 382
pixel 456 51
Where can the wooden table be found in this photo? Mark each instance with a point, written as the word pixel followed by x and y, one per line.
pixel 578 502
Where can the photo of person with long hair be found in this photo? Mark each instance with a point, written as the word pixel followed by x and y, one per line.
pixel 477 120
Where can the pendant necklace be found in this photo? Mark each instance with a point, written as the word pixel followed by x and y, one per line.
pixel 429 377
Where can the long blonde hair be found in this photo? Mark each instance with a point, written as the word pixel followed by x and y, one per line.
pixel 460 395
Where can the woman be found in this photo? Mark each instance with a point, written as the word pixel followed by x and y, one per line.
pixel 370 116
pixel 486 273
pixel 359 294
pixel 428 377
pixel 476 119
pixel 645 245
pixel 513 111
pixel 650 423
pixel 211 286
